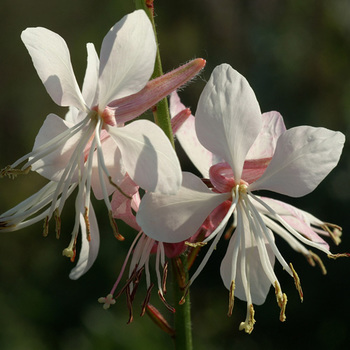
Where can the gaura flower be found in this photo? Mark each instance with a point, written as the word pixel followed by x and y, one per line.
pixel 92 147
pixel 125 203
pixel 257 153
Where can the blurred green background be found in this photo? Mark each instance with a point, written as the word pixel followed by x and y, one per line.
pixel 295 54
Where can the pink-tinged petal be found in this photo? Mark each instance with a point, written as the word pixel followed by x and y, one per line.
pixel 254 168
pixel 259 283
pixel 127 58
pixel 200 156
pixel 123 206
pixel 148 156
pixel 114 164
pixel 52 62
pixel 53 165
pixel 297 218
pixel 228 117
pixel 89 249
pixel 175 218
pixel 129 107
pixel 272 128
pixel 303 158
pixel 90 85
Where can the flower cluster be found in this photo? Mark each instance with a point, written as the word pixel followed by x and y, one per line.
pixel 98 147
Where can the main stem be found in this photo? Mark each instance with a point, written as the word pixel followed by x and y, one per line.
pixel 183 324
pixel 183 328
pixel 161 109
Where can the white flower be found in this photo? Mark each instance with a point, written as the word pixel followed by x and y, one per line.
pixel 92 147
pixel 257 153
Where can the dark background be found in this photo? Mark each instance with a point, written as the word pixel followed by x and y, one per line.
pixel 295 54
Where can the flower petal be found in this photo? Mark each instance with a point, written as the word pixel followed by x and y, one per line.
pixel 52 62
pixel 90 85
pixel 148 156
pixel 89 249
pixel 127 57
pixel 303 158
pixel 272 128
pixel 228 117
pixel 53 165
pixel 199 155
pixel 177 217
pixel 113 161
pixel 258 281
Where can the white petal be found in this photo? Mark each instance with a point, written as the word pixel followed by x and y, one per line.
pixel 148 156
pixel 52 62
pixel 264 145
pixel 90 84
pixel 114 164
pixel 177 217
pixel 303 158
pixel 228 117
pixel 53 165
pixel 89 250
pixel 258 280
pixel 200 156
pixel 127 57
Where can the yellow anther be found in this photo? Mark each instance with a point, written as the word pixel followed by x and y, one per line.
pixel 248 324
pixel 117 235
pixel 231 299
pixel 313 258
pixel 195 245
pixel 58 223
pixel 87 223
pixel 46 226
pixel 297 282
pixel 281 301
pixel 12 173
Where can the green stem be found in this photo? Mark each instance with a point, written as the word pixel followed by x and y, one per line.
pixel 183 329
pixel 183 326
pixel 161 109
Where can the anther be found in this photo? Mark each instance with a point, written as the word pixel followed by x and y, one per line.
pixel 46 226
pixel 313 258
pixel 58 223
pixel 117 235
pixel 146 301
pixel 281 301
pixel 118 188
pixel 87 224
pixel 12 173
pixel 297 282
pixel 196 245
pixel 231 298
pixel 248 324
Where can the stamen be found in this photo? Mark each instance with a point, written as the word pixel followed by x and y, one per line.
pixel 107 301
pixel 312 258
pixel 164 278
pixel 167 305
pixel 196 244
pixel 87 224
pixel 146 301
pixel 13 173
pixel 248 324
pixel 46 226
pixel 341 255
pixel 129 304
pixel 297 282
pixel 335 234
pixel 118 188
pixel 281 301
pixel 58 223
pixel 117 235
pixel 231 298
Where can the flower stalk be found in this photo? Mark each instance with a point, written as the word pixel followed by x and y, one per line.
pixel 161 109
